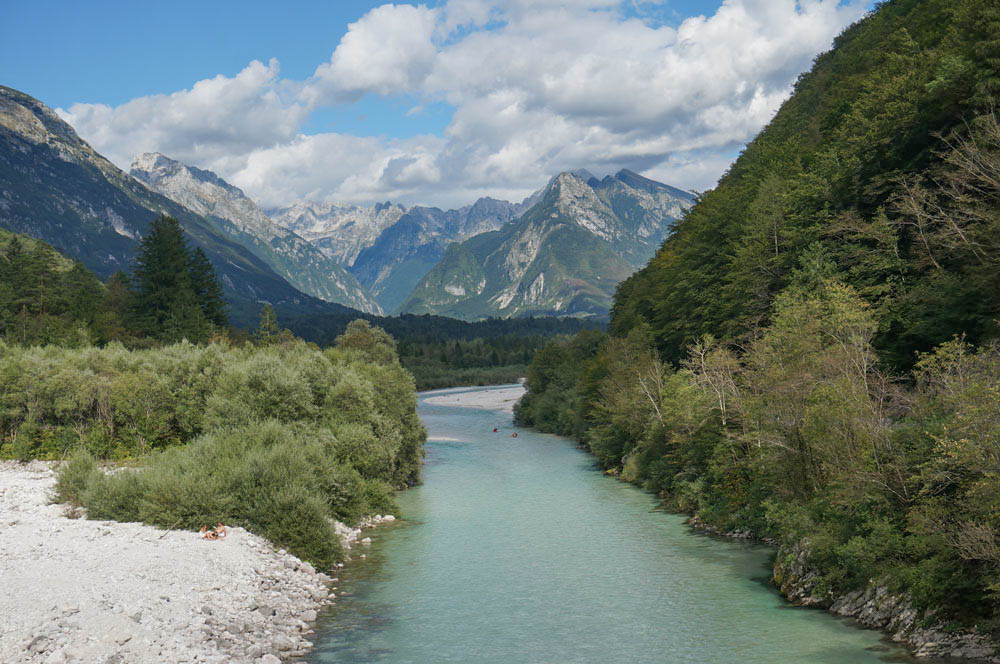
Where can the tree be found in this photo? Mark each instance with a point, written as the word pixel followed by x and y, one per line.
pixel 374 343
pixel 267 331
pixel 176 293
pixel 207 289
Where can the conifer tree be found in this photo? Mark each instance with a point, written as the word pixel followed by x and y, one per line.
pixel 165 305
pixel 207 289
pixel 267 330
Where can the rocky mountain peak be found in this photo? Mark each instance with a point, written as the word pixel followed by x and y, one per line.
pixel 636 181
pixel 304 265
pixel 33 120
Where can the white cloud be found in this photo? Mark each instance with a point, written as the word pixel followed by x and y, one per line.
pixel 389 50
pixel 218 121
pixel 537 86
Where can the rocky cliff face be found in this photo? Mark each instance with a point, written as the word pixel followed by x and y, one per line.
pixel 878 608
pixel 408 249
pixel 55 187
pixel 235 215
pixel 564 256
pixel 339 231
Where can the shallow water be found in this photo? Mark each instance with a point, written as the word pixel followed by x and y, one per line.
pixel 521 550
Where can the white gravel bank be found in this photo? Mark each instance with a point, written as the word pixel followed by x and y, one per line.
pixel 73 590
pixel 500 399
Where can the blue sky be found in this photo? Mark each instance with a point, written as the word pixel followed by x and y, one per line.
pixel 434 103
pixel 99 51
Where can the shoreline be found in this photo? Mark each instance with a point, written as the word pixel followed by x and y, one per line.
pixel 500 398
pixel 874 608
pixel 108 592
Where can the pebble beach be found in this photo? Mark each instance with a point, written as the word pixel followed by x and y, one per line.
pixel 103 592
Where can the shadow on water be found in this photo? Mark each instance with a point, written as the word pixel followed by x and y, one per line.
pixel 521 550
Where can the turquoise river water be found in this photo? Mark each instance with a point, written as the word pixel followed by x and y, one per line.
pixel 521 550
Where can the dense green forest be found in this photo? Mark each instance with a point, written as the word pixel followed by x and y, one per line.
pixel 437 363
pixel 172 294
pixel 812 355
pixel 447 352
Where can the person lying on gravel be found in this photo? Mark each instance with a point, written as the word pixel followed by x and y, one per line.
pixel 217 534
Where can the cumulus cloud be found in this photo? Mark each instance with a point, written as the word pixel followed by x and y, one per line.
pixel 219 120
pixel 537 86
pixel 389 50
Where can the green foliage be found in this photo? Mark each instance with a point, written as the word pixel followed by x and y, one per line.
pixel 75 476
pixel 278 438
pixel 886 154
pixel 827 320
pixel 801 436
pixel 479 361
pixel 177 295
pixel 46 298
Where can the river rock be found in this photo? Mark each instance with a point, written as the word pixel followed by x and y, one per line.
pixel 877 607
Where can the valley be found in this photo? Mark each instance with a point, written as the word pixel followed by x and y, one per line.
pixel 487 259
pixel 500 331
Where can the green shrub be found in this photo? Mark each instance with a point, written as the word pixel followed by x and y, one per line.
pixel 279 439
pixel 115 497
pixel 74 476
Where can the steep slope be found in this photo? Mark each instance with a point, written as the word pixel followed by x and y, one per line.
pixel 55 187
pixel 873 125
pixel 237 217
pixel 408 249
pixel 339 231
pixel 564 256
pixel 848 267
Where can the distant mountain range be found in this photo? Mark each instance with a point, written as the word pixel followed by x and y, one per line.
pixel 560 252
pixel 407 250
pixel 564 256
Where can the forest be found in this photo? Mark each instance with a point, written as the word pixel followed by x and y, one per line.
pixel 447 352
pixel 172 294
pixel 813 354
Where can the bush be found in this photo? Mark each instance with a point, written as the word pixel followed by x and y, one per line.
pixel 279 440
pixel 74 477
pixel 115 497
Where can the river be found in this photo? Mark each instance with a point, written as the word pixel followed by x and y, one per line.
pixel 521 550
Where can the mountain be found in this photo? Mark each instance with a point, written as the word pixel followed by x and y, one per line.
pixel 55 187
pixel 564 256
pixel 237 217
pixel 407 250
pixel 339 231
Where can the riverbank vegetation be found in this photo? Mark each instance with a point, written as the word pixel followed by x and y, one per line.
pixel 438 363
pixel 277 438
pixel 259 430
pixel 446 352
pixel 812 355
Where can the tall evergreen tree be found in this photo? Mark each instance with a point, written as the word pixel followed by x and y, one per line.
pixel 267 331
pixel 165 305
pixel 207 288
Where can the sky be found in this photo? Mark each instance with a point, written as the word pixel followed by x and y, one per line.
pixel 437 103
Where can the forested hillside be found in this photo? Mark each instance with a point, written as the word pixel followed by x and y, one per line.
pixel 172 294
pixel 885 156
pixel 812 355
